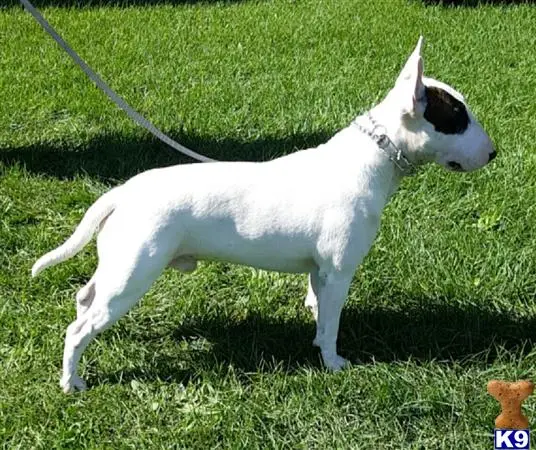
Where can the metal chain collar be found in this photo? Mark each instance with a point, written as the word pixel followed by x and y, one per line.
pixel 378 134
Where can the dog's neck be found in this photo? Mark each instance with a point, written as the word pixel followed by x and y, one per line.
pixel 381 136
pixel 360 142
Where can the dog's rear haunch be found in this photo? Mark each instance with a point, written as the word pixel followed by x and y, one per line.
pixel 316 211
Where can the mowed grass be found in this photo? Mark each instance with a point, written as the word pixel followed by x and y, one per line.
pixel 223 358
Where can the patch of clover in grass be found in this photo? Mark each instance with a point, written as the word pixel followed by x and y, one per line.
pixel 491 220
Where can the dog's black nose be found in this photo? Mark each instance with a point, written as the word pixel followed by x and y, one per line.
pixel 492 156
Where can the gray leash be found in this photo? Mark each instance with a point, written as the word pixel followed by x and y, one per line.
pixel 134 115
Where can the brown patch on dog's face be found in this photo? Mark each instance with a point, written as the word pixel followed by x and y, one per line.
pixel 446 113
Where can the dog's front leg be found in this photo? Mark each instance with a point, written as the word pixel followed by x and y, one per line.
pixel 333 288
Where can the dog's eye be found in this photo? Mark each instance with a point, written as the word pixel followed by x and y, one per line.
pixel 454 165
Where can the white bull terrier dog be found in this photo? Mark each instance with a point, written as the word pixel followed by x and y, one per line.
pixel 316 211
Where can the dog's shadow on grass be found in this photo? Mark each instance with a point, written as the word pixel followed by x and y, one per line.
pixel 445 333
pixel 117 158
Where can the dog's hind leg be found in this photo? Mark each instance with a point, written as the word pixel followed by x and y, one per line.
pixel 85 297
pixel 311 301
pixel 101 315
pixel 119 282
pixel 109 305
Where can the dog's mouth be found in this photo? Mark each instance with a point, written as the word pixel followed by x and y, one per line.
pixel 454 166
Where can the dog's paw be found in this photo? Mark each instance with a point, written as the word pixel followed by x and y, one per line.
pixel 335 362
pixel 72 384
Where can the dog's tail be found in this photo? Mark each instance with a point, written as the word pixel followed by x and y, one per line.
pixel 101 209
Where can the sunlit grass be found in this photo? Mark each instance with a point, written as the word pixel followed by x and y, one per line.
pixel 223 357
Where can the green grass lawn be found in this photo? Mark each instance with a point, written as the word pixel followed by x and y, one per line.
pixel 223 358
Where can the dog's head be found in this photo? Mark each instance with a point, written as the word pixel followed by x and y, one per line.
pixel 435 123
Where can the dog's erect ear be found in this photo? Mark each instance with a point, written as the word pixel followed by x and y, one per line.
pixel 409 83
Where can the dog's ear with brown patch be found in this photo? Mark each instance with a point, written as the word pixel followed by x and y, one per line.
pixel 409 83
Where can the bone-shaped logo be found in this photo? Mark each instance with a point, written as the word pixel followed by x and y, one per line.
pixel 510 395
